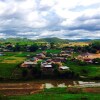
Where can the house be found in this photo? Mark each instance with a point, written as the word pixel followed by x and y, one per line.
pixel 28 64
pixel 88 60
pixel 40 56
pixel 35 59
pixel 63 69
pixel 64 54
pixel 47 68
pixel 59 59
pixel 85 54
pixel 49 60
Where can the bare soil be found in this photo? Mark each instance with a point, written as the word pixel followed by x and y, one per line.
pixel 10 89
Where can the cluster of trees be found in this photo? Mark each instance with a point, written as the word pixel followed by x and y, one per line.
pixel 17 47
pixel 92 48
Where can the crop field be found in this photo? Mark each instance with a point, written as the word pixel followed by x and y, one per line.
pixel 12 60
pixel 75 44
pixel 8 63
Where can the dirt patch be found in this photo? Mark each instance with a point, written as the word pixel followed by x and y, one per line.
pixel 20 88
pixel 92 56
pixel 89 56
pixel 92 90
pixel 82 90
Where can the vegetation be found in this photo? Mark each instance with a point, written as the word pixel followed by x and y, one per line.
pixel 84 69
pixel 21 49
pixel 57 94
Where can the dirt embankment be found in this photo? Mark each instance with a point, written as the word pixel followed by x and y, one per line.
pixel 19 88
pixel 10 89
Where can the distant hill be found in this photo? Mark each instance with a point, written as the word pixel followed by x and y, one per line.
pixel 54 39
pixel 86 40
pixel 18 40
pixel 47 40
pixel 82 40
pixel 29 41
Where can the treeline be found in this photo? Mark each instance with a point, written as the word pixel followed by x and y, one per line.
pixel 93 47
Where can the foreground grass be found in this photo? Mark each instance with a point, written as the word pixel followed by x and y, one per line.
pixel 57 97
pixel 56 94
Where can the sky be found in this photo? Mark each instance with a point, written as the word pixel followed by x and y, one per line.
pixel 66 19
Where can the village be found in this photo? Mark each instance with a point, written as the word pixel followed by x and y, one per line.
pixel 49 62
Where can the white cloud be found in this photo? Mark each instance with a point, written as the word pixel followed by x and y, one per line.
pixel 49 18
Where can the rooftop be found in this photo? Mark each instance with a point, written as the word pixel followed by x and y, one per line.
pixel 64 67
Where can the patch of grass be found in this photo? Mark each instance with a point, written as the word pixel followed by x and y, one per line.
pixel 10 59
pixel 91 70
pixel 6 69
pixel 55 90
pixel 56 94
pixel 53 51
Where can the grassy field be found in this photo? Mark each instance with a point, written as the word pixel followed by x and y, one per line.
pixel 53 51
pixel 6 69
pixel 88 70
pixel 56 94
pixel 9 62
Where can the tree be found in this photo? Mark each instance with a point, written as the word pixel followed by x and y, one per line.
pixel 33 48
pixel 52 45
pixel 56 72
pixel 17 47
pixel 96 45
pixel 24 72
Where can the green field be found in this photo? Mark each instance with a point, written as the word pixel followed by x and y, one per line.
pixel 88 70
pixel 9 62
pixel 57 94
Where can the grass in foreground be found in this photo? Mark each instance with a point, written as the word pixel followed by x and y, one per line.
pixel 56 94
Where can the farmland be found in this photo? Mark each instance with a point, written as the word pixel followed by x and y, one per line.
pixel 11 61
pixel 55 94
pixel 22 80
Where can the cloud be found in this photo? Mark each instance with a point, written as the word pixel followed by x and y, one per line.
pixel 34 19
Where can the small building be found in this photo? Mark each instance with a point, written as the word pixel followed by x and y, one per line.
pixel 40 56
pixel 88 60
pixel 59 59
pixel 49 60
pixel 47 68
pixel 64 68
pixel 28 64
pixel 35 59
